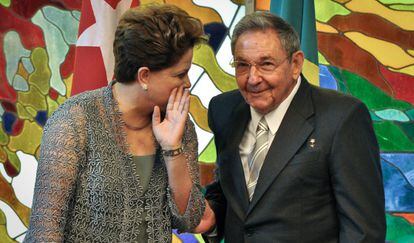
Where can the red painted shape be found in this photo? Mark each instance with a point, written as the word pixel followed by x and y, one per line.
pixel 408 216
pixel 402 84
pixel 86 20
pixel 17 127
pixel 87 59
pixel 10 107
pixel 28 8
pixel 7 93
pixel 10 169
pixel 66 68
pixel 53 94
pixel 113 3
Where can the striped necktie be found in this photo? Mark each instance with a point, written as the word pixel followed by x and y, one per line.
pixel 258 155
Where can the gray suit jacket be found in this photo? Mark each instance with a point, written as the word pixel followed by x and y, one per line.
pixel 321 180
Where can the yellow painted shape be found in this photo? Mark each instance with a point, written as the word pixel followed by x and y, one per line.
pixel 326 9
pixel 325 28
pixel 3 155
pixel 311 72
pixel 33 98
pixel 68 83
pixel 5 238
pixel 41 75
pixel 8 196
pixel 52 106
pixel 404 19
pixel 199 113
pixel 340 1
pixel 22 113
pixel 28 140
pixel 205 14
pixel 150 1
pixel 175 239
pixel 61 99
pixel 407 70
pixel 322 59
pixel 21 70
pixel 4 138
pixel 204 57
pixel 411 52
pixel 262 5
pixel 238 2
pixel 389 54
pixel 31 110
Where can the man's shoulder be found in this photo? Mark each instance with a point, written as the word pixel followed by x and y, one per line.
pixel 328 97
pixel 229 97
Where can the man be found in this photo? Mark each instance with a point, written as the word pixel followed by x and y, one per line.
pixel 296 163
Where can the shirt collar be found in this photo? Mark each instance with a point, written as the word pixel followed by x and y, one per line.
pixel 276 113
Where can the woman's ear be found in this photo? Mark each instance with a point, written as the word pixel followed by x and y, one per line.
pixel 143 77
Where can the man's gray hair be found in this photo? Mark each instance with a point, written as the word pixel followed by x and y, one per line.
pixel 263 21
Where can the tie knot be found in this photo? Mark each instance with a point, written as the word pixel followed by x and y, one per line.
pixel 262 126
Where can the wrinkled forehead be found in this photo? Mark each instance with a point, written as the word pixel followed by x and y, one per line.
pixel 259 45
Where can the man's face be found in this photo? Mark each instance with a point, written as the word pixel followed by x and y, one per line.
pixel 271 75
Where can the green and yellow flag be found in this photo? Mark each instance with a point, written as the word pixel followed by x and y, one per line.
pixel 301 15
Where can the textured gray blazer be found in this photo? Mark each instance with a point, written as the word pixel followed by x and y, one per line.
pixel 86 187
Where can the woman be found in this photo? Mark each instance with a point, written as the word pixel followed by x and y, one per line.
pixel 113 167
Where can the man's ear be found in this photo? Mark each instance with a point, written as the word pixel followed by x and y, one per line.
pixel 143 74
pixel 297 64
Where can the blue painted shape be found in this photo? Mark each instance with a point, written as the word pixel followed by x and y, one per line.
pixel 20 84
pixel 374 117
pixel 217 33
pixel 41 118
pixel 410 114
pixel 326 79
pixel 404 162
pixel 8 121
pixel 185 237
pixel 392 115
pixel 399 194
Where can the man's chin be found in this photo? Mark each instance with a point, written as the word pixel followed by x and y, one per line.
pixel 261 108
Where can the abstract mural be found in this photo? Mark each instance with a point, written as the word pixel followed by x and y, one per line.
pixel 366 49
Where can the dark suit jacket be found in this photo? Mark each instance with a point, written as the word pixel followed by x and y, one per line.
pixel 321 180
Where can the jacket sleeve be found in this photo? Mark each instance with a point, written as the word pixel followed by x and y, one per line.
pixel 357 180
pixel 214 193
pixel 196 203
pixel 57 170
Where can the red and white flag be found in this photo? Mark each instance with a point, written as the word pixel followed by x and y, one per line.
pixel 94 59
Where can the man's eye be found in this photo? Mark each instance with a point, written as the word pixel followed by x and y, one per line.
pixel 267 64
pixel 242 64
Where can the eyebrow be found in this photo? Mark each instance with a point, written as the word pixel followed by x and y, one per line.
pixel 181 72
pixel 262 58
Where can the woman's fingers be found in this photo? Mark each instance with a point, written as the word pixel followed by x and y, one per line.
pixel 178 98
pixel 171 100
pixel 187 103
pixel 156 116
pixel 183 100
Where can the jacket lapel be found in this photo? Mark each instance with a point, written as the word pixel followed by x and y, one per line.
pixel 292 133
pixel 231 169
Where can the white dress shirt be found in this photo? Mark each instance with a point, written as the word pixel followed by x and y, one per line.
pixel 273 119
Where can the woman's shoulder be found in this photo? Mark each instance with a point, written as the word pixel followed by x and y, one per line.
pixel 77 105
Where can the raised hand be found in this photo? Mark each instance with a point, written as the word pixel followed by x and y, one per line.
pixel 169 132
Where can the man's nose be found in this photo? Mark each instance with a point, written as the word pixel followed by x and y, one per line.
pixel 254 75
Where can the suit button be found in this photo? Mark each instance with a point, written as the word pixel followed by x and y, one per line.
pixel 249 232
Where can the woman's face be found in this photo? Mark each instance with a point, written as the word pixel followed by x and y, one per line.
pixel 161 83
